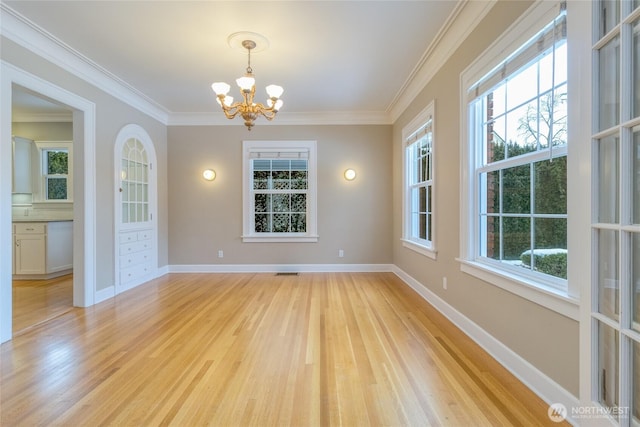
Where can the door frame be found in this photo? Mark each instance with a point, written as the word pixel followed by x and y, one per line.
pixel 84 209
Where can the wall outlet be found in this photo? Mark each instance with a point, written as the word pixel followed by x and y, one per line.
pixel 340 253
pixel 444 283
pixel 220 254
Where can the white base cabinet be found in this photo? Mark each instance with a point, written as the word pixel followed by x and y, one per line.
pixel 42 249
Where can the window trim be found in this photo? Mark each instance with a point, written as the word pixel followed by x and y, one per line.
pixel 248 235
pixel 565 302
pixel 429 249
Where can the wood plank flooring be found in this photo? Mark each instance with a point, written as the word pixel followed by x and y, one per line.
pixel 351 349
pixel 36 301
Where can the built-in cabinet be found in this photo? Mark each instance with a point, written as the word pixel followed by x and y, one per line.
pixel 42 249
pixel 21 165
pixel 135 256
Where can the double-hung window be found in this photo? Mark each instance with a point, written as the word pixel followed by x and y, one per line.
pixel 280 191
pixel 517 160
pixel 56 177
pixel 418 221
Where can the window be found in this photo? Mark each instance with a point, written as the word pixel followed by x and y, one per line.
pixel 56 173
pixel 418 224
pixel 279 191
pixel 134 182
pixel 56 177
pixel 515 210
pixel 615 225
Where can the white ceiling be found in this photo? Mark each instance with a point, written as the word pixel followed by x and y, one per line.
pixel 331 57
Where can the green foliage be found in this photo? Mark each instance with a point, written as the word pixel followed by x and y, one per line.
pixel 57 162
pixel 554 264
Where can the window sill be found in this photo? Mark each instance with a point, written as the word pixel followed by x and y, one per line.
pixel 52 204
pixel 279 239
pixel 546 296
pixel 423 250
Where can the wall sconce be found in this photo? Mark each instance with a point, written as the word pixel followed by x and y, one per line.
pixel 349 174
pixel 209 174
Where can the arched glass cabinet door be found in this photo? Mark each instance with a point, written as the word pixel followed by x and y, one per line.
pixel 134 183
pixel 136 249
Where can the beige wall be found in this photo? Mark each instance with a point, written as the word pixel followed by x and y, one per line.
pixel 206 216
pixel 111 116
pixel 39 131
pixel 547 340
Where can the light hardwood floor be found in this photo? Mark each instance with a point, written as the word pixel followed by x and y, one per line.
pixel 36 301
pixel 352 349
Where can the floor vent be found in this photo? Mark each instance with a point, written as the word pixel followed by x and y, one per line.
pixel 287 274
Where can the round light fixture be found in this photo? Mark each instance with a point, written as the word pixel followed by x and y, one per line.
pixel 349 174
pixel 209 174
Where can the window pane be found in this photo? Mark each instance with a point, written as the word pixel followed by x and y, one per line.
pixel 608 285
pixel 299 180
pixel 609 84
pixel 609 15
pixel 550 246
pixel 490 243
pixel 56 188
pixel 607 375
pixel 516 238
pixel 281 223
pixel 57 162
pixel 262 202
pixel 496 102
pixel 550 186
pixel 635 82
pixel 608 181
pixel 635 198
pixel 496 137
pixel 635 281
pixel 260 179
pixel 299 203
pixel 558 132
pixel 125 212
pixel 281 203
pixel 522 130
pixel 516 189
pixel 299 223
pixel 490 192
pixel 522 87
pixel 429 213
pixel 263 223
pixel 280 179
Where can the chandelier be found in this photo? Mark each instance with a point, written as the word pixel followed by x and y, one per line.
pixel 247 108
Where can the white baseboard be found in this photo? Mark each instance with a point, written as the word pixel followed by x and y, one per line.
pixel 277 268
pixel 547 389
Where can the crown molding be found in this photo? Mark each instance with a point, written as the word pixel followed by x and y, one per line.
pixel 27 34
pixel 462 21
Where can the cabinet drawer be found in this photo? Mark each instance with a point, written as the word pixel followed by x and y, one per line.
pixel 135 258
pixel 144 235
pixel 129 248
pixel 29 228
pixel 129 274
pixel 128 237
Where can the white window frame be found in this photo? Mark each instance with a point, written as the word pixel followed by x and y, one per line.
pixel 43 147
pixel 275 147
pixel 563 301
pixel 422 246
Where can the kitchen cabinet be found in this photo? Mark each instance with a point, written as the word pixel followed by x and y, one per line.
pixel 30 250
pixel 21 165
pixel 42 250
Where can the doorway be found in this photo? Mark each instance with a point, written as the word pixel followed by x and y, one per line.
pixel 42 209
pixel 84 228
